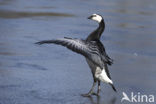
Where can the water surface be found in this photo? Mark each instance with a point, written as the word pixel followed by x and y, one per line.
pixel 50 74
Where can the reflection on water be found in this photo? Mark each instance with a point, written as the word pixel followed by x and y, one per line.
pixel 52 74
pixel 5 2
pixel 6 53
pixel 15 14
pixel 29 66
pixel 42 7
pixel 97 100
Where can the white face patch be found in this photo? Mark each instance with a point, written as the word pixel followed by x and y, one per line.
pixel 96 17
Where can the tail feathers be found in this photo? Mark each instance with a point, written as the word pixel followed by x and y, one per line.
pixel 109 60
pixel 113 87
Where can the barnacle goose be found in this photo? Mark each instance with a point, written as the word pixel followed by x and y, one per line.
pixel 94 52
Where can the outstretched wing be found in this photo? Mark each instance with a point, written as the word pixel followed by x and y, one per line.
pixel 85 48
pixel 75 45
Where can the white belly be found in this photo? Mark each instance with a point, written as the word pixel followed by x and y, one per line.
pixel 102 75
pixel 98 73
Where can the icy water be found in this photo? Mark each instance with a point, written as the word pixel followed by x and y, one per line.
pixel 51 74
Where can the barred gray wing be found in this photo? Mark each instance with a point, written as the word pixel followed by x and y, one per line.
pixel 87 49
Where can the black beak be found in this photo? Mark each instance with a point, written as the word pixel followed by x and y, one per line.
pixel 90 17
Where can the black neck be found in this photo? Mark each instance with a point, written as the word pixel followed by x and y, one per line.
pixel 96 34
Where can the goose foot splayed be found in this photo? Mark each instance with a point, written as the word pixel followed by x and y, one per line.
pixel 91 91
pixel 94 52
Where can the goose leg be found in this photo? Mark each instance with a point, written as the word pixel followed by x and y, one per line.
pixel 99 88
pixel 91 90
pixel 98 91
